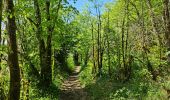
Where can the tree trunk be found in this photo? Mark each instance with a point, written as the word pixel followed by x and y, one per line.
pixel 99 49
pixel 45 51
pixel 42 53
pixel 14 90
pixel 127 65
pixel 127 28
pixel 94 63
pixel 123 47
pixel 0 28
pixel 108 45
pixel 48 70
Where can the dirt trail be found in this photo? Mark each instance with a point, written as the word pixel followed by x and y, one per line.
pixel 71 88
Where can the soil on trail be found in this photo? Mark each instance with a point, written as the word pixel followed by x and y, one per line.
pixel 71 89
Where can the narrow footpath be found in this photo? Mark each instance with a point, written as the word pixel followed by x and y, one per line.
pixel 71 89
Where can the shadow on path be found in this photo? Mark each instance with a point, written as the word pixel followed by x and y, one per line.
pixel 71 89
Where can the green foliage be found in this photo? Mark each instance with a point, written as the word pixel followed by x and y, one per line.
pixel 73 32
pixel 4 85
pixel 86 76
pixel 70 62
pixel 107 89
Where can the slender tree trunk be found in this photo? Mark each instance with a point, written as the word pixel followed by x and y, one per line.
pixel 99 47
pixel 14 90
pixel 119 55
pixel 118 50
pixel 127 66
pixel 0 28
pixel 108 45
pixel 2 95
pixel 94 64
pixel 127 28
pixel 123 47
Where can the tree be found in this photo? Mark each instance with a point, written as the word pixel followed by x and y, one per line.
pixel 99 39
pixel 14 90
pixel 0 27
pixel 40 39
pixel 45 52
pixel 93 43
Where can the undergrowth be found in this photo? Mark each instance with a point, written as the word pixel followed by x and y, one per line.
pixel 137 88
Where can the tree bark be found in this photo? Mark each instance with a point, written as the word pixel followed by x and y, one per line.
pixel 99 48
pixel 123 46
pixel 14 90
pixel 42 53
pixel 48 68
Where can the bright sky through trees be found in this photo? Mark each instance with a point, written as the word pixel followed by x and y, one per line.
pixel 81 4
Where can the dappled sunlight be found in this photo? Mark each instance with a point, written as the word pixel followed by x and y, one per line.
pixel 84 49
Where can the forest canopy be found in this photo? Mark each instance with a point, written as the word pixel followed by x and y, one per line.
pixel 84 49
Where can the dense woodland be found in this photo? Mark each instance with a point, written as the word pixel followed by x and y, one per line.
pixel 121 50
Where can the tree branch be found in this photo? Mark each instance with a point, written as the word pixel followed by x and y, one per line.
pixel 32 21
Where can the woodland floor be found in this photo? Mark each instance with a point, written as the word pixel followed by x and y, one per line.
pixel 71 89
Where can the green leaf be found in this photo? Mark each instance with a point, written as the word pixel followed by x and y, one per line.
pixel 167 53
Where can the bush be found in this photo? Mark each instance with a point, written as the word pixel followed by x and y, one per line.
pixel 70 62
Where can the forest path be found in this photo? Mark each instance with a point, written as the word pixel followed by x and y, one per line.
pixel 71 89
